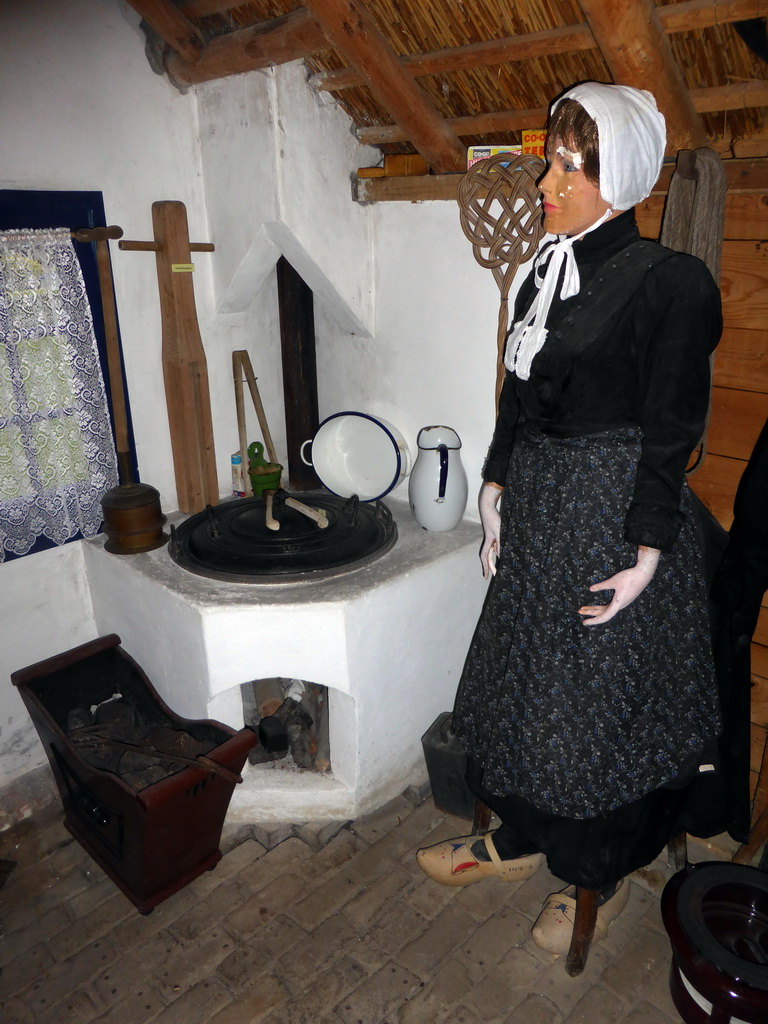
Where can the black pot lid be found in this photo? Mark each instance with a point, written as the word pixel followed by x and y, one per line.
pixel 231 541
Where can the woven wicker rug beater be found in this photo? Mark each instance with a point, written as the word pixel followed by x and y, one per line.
pixel 500 213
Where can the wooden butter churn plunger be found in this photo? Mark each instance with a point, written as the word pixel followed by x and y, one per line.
pixel 133 519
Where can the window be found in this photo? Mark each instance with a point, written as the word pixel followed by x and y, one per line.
pixel 56 451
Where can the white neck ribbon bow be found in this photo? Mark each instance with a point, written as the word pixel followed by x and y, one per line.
pixel 529 334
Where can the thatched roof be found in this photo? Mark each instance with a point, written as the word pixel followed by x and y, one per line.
pixel 434 76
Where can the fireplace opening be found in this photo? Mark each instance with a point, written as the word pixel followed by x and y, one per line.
pixel 291 719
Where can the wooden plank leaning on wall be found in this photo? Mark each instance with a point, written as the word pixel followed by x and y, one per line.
pixel 740 393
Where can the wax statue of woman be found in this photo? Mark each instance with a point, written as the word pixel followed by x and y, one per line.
pixel 588 699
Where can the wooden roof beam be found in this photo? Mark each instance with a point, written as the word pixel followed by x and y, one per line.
pixel 172 25
pixel 350 28
pixel 744 177
pixel 475 124
pixel 735 96
pixel 694 14
pixel 293 36
pixel 683 17
pixel 549 43
pixel 298 35
pixel 721 97
pixel 204 8
pixel 632 42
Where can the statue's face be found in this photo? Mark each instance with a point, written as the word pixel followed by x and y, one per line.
pixel 571 202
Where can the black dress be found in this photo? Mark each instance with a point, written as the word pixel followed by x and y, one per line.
pixel 580 735
pixel 739 585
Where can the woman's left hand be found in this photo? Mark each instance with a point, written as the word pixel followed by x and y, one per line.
pixel 626 586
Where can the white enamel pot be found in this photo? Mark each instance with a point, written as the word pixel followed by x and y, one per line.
pixel 354 453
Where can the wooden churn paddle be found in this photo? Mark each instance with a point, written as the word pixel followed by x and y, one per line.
pixel 185 370
pixel 133 519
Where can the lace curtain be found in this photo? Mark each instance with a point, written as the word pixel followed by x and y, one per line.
pixel 57 456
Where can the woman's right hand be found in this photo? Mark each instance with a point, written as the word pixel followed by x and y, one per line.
pixel 491 520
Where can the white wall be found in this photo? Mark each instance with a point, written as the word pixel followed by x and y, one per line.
pixel 45 608
pixel 432 359
pixel 277 162
pixel 82 110
pixel 405 317
pixel 406 320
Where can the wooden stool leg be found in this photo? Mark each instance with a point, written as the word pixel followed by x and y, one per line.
pixel 760 799
pixel 677 851
pixel 482 818
pixel 583 930
pixel 759 831
pixel 757 836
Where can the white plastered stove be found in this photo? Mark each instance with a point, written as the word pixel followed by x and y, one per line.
pixel 388 640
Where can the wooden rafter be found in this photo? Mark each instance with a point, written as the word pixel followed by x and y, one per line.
pixel 291 37
pixel 632 42
pixel 694 14
pixel 171 25
pixel 680 17
pixel 720 97
pixel 204 8
pixel 299 35
pixel 553 41
pixel 475 124
pixel 744 177
pixel 683 17
pixel 735 96
pixel 353 32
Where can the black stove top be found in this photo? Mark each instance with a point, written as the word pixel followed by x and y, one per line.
pixel 232 542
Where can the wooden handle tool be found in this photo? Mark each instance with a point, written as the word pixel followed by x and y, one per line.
pixel 252 387
pixel 320 516
pixel 100 236
pixel 237 376
pixel 272 523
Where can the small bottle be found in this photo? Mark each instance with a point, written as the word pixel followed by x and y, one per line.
pixel 238 488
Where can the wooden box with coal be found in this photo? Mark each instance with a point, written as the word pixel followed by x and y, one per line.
pixel 145 791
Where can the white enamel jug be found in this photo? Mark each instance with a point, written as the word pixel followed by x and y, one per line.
pixel 437 489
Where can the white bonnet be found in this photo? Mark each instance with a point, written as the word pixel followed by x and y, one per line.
pixel 632 138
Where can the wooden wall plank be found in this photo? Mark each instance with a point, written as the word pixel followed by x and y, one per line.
pixel 741 359
pixel 715 483
pixel 746 217
pixel 737 418
pixel 648 216
pixel 744 284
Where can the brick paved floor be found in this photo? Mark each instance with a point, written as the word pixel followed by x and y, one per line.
pixel 332 925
